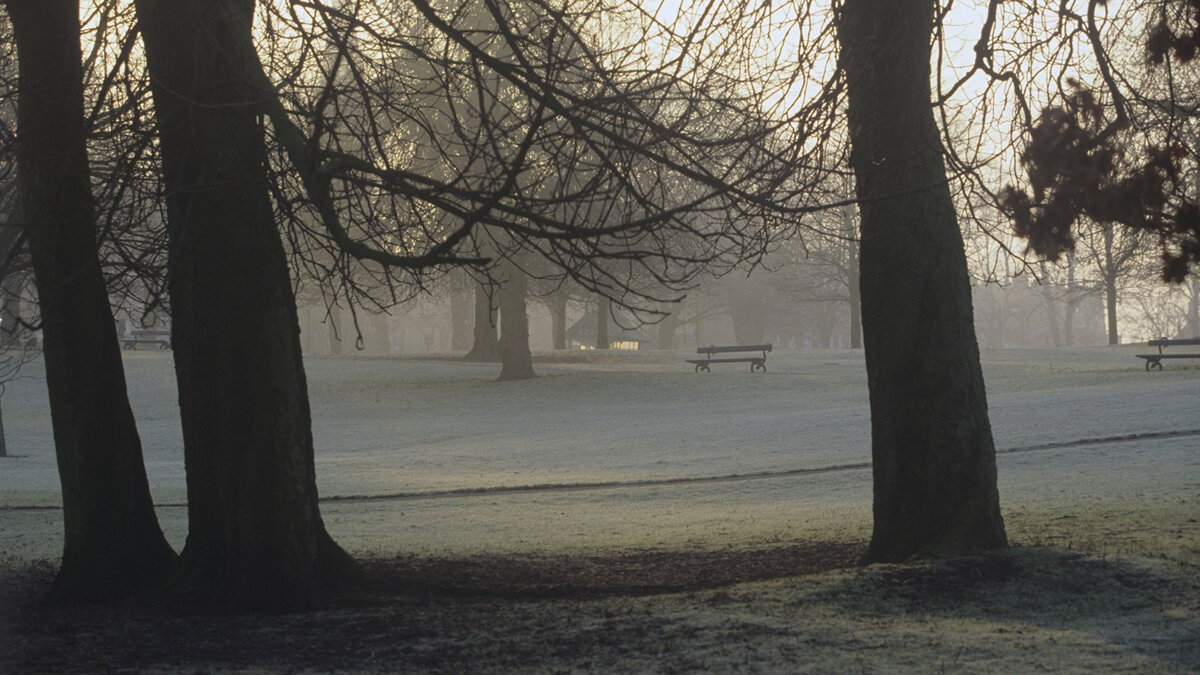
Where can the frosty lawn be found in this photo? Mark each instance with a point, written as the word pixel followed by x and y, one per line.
pixel 405 428
pixel 430 459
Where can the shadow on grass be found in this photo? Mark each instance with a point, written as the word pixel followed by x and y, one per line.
pixel 1130 606
pixel 647 611
pixel 413 613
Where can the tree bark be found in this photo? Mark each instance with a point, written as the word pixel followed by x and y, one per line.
pixel 516 361
pixel 486 346
pixel 256 539
pixel 931 442
pixel 113 544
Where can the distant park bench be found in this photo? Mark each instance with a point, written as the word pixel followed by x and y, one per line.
pixel 162 338
pixel 1154 361
pixel 756 362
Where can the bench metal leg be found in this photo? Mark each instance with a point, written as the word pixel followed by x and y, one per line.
pixel 1153 364
pixel 702 366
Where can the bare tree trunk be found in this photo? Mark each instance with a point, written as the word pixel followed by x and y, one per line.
pixel 1051 310
pixel 256 539
pixel 486 347
pixel 113 544
pixel 603 313
pixel 1072 304
pixel 855 308
pixel 932 452
pixel 1110 285
pixel 516 361
pixel 1193 316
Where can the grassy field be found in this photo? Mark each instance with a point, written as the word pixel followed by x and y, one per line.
pixel 621 513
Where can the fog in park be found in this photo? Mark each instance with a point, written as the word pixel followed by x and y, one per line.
pixel 602 335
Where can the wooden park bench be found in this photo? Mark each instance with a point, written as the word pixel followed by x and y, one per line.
pixel 162 338
pixel 756 362
pixel 1154 361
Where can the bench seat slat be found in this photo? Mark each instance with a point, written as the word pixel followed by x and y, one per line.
pixel 711 349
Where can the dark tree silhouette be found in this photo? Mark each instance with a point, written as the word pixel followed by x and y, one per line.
pixel 256 539
pixel 113 544
pixel 931 443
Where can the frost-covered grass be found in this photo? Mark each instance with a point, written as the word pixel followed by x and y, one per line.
pixel 427 457
pixel 420 426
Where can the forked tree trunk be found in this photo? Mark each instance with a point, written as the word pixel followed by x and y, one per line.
pixel 113 544
pixel 486 346
pixel 931 442
pixel 256 540
pixel 516 361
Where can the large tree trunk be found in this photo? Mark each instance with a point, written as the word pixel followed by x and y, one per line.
pixel 516 361
pixel 486 346
pixel 256 538
pixel 113 544
pixel 932 451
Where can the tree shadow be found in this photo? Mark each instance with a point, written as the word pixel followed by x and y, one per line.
pixel 1150 610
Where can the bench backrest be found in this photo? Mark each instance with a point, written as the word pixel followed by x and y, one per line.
pixel 1167 342
pixel 733 348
